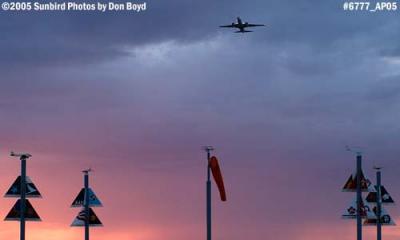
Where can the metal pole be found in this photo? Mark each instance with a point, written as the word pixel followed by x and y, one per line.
pixel 359 197
pixel 208 150
pixel 378 205
pixel 86 203
pixel 23 197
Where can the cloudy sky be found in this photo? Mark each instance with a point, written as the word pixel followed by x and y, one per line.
pixel 136 95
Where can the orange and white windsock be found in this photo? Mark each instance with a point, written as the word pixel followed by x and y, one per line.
pixel 216 172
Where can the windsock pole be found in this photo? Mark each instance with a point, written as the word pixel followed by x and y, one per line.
pixel 23 196
pixel 86 203
pixel 359 197
pixel 208 150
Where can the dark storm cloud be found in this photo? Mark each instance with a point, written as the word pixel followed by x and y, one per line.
pixel 46 38
pixel 73 38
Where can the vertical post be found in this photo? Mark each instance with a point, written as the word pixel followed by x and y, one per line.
pixel 378 205
pixel 86 204
pixel 359 197
pixel 208 150
pixel 23 197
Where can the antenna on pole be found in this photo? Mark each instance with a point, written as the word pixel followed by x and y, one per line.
pixel 358 181
pixel 357 150
pixel 87 171
pixel 86 202
pixel 378 203
pixel 20 155
pixel 22 207
pixel 208 149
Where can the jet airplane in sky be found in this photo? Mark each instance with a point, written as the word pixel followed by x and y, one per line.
pixel 241 26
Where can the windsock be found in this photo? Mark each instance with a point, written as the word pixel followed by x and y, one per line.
pixel 216 172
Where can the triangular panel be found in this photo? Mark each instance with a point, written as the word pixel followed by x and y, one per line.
pixel 385 196
pixel 15 189
pixel 79 221
pixel 351 184
pixel 30 213
pixel 93 200
pixel 351 211
pixel 386 219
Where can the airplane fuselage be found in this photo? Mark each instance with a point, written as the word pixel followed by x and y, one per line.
pixel 242 25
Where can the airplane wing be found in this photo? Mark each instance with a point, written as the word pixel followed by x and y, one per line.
pixel 228 26
pixel 255 25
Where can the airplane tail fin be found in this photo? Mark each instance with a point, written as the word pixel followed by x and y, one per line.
pixel 244 31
